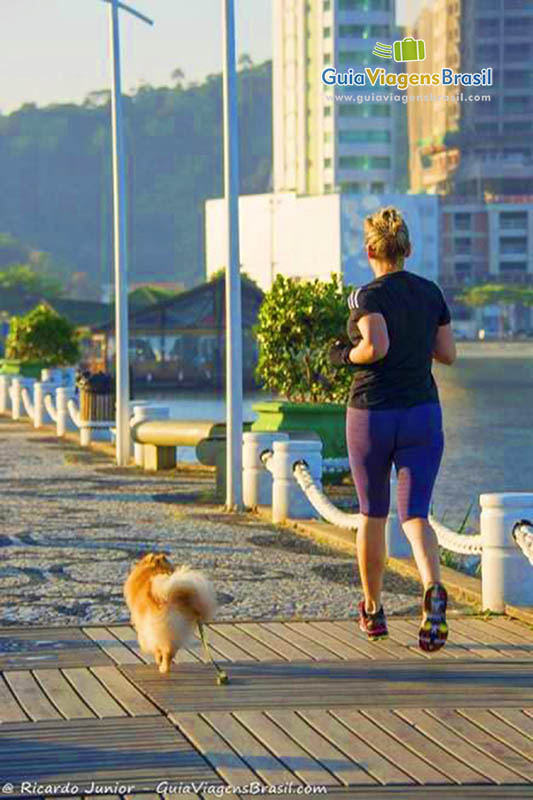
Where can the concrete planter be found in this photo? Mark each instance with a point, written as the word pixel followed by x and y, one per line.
pixel 328 420
pixel 26 369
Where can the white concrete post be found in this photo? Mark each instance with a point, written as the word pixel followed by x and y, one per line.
pixel 16 398
pixel 506 575
pixel 85 434
pixel 63 395
pixel 395 539
pixel 4 393
pixel 288 500
pixel 141 413
pixel 256 480
pixel 39 391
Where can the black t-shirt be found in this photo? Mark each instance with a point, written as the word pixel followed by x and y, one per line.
pixel 413 308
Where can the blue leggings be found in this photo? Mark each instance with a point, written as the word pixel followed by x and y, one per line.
pixel 412 440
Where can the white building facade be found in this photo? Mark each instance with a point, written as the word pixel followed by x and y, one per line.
pixel 317 236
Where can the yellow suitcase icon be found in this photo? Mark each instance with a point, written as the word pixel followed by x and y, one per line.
pixel 409 49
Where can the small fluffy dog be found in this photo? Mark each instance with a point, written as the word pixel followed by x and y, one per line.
pixel 165 604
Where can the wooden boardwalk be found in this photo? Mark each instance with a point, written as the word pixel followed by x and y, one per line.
pixel 310 706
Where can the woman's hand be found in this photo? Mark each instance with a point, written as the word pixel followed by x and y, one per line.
pixel 374 344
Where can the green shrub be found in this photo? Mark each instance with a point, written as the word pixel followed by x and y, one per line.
pixel 44 336
pixel 297 323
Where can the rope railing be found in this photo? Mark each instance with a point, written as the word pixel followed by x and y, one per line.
pixel 50 407
pixel 463 543
pixel 523 537
pixel 74 412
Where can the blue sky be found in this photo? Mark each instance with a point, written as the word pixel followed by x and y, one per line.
pixel 55 51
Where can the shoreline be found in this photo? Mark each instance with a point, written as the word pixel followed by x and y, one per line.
pixel 495 349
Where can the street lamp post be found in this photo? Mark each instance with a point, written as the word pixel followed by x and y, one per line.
pixel 233 275
pixel 119 237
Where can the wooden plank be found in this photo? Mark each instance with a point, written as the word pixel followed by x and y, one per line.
pixel 485 742
pixel 384 650
pixel 390 748
pixel 10 710
pixel 481 632
pixel 451 741
pixel 284 649
pixel 62 694
pixel 515 626
pixel 124 692
pixel 311 649
pixel 330 637
pixel 473 648
pixel 30 648
pixel 502 630
pixel 484 718
pixel 449 763
pixel 214 748
pixel 247 643
pixel 289 752
pixel 263 685
pixel 112 646
pixel 516 717
pixel 30 695
pixel 127 635
pixel 378 768
pixel 93 693
pixel 333 759
pixel 227 651
pixel 138 751
pixel 269 768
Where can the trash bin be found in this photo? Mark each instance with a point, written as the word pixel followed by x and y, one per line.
pixel 97 397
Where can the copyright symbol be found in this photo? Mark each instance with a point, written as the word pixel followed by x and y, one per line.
pixel 8 788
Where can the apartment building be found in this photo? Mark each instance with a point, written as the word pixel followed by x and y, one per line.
pixel 321 145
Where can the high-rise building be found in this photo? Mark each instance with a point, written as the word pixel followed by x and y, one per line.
pixel 483 146
pixel 322 145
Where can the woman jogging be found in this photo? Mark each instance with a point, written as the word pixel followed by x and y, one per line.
pixel 398 323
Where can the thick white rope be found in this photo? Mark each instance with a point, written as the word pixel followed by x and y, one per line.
pixel 319 501
pixel 523 536
pixel 466 544
pixel 27 402
pixel 50 408
pixel 74 412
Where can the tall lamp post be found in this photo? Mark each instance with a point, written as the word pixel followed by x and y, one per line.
pixel 233 275
pixel 119 236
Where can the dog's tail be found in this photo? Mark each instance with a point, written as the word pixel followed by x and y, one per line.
pixel 187 588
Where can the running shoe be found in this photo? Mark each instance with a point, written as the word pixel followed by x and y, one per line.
pixel 434 629
pixel 374 625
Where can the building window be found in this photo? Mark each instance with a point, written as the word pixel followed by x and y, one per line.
pixel 380 5
pixel 327 33
pixel 364 137
pixel 353 57
pixel 327 5
pixel 462 267
pixel 364 110
pixel 513 245
pixel 364 162
pixel 379 162
pixel 352 31
pixel 377 188
pixel 327 136
pixel 515 105
pixel 487 52
pixel 518 127
pixel 327 111
pixel 351 188
pixel 462 222
pixel 463 247
pixel 518 26
pixel 513 53
pixel 351 5
pixel 327 59
pixel 328 187
pixel 513 220
pixel 327 163
pixel 513 266
pixel 487 27
pixel 379 30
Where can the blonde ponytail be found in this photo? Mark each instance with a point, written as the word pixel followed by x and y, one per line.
pixel 387 235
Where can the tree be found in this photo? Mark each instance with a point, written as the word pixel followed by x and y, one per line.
pixel 297 323
pixel 24 278
pixel 491 294
pixel 43 336
pixel 177 76
pixel 245 61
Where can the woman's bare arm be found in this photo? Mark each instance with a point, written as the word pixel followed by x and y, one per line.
pixel 444 349
pixel 375 342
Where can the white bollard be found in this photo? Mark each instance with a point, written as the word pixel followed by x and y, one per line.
pixel 15 391
pixel 63 395
pixel 506 575
pixel 395 539
pixel 288 500
pixel 4 393
pixel 141 413
pixel 85 434
pixel 256 480
pixel 40 389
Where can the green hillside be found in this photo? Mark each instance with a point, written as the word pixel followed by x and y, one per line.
pixel 55 164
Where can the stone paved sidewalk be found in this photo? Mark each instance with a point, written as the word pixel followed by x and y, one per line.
pixel 71 524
